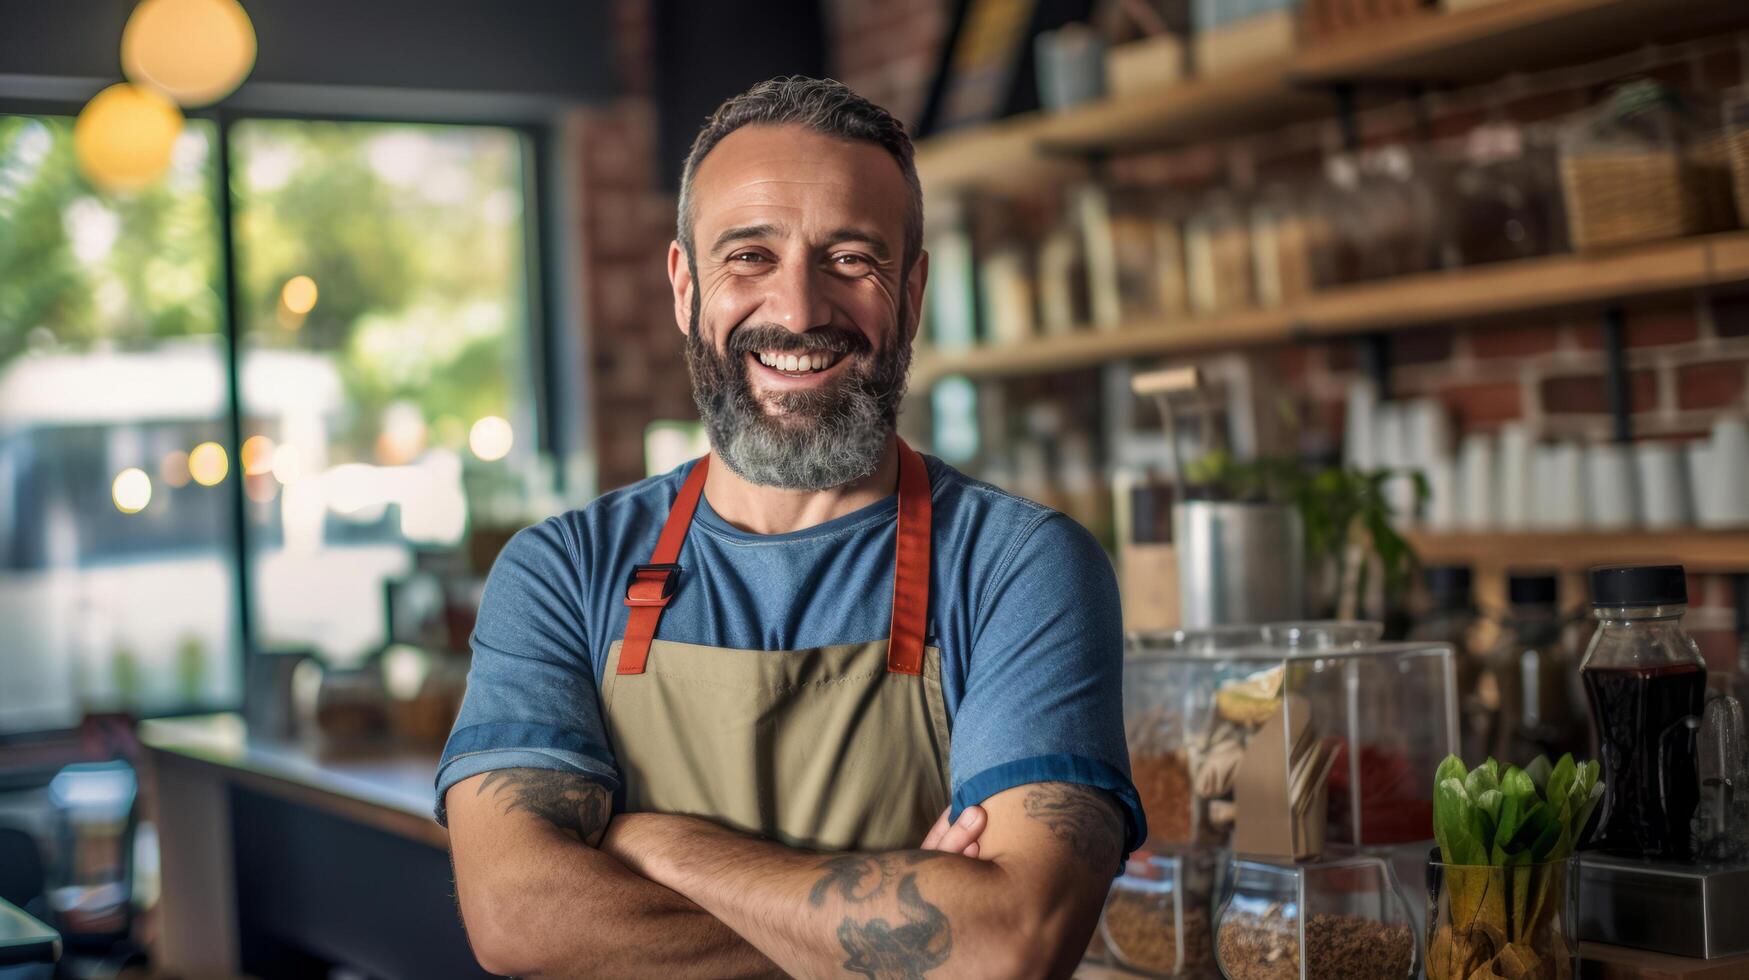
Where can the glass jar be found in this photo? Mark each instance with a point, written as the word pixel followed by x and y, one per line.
pixel 1646 682
pixel 1158 917
pixel 1517 921
pixel 1340 918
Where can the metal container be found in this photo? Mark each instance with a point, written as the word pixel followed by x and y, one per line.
pixel 1239 562
pixel 1684 909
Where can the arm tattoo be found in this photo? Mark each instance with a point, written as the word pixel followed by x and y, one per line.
pixel 1082 817
pixel 574 804
pixel 873 946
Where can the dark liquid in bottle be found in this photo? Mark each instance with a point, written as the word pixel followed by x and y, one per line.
pixel 1640 715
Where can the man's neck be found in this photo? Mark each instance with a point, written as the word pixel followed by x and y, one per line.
pixel 771 510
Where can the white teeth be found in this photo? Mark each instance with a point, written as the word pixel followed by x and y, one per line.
pixel 796 363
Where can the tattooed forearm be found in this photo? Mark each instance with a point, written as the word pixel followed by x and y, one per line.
pixel 871 885
pixel 1082 817
pixel 576 805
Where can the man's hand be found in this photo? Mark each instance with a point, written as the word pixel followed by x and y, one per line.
pixel 959 837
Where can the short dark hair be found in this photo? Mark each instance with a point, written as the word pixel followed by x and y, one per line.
pixel 825 106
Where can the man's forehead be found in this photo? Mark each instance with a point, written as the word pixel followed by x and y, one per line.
pixel 789 173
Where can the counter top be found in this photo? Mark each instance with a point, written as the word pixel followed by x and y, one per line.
pixel 388 786
pixel 25 940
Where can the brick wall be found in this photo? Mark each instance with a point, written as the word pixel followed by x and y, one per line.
pixel 887 51
pixel 636 373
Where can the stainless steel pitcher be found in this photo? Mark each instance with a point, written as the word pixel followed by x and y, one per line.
pixel 1239 562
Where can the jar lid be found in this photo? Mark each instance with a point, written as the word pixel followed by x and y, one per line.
pixel 1639 585
pixel 1533 589
pixel 1449 585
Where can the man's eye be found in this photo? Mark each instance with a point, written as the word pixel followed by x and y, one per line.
pixel 850 261
pixel 747 257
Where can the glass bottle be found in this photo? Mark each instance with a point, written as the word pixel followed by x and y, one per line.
pixel 1646 683
pixel 1451 618
pixel 1530 668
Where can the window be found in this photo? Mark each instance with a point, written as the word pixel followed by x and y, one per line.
pixel 116 581
pixel 383 382
pixel 381 271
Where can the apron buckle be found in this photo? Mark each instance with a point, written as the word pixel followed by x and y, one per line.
pixel 665 574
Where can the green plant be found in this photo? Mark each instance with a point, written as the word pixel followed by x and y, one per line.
pixel 1504 838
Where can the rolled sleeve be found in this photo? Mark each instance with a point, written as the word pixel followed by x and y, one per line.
pixel 1044 694
pixel 531 700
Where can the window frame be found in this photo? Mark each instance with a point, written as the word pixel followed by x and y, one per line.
pixel 546 347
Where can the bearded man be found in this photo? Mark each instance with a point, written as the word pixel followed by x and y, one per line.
pixel 814 704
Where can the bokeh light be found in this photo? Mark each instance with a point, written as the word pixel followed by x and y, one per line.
pixel 288 464
pixel 491 438
pixel 195 51
pixel 299 295
pixel 257 455
pixel 131 490
pixel 124 136
pixel 173 469
pixel 208 464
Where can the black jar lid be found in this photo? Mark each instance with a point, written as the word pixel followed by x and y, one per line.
pixel 1448 585
pixel 1540 588
pixel 1639 585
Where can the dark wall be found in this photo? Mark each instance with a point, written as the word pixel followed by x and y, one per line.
pixel 708 50
pixel 544 47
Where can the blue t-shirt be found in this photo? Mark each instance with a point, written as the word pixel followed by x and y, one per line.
pixel 1023 606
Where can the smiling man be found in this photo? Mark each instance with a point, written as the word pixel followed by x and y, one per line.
pixel 814 704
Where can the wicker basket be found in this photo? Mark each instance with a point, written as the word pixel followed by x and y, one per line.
pixel 1737 149
pixel 1656 178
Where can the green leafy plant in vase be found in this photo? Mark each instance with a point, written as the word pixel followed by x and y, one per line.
pixel 1502 888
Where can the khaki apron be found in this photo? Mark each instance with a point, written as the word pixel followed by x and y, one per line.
pixel 838 748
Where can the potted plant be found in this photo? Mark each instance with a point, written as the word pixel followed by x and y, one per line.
pixel 1502 891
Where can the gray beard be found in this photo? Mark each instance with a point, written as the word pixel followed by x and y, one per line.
pixel 812 440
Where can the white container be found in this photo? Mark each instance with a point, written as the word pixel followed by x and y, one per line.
pixel 1560 474
pixel 1516 494
pixel 1726 484
pixel 1476 478
pixel 1612 502
pixel 1663 485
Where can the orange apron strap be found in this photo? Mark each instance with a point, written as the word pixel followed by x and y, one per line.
pixel 910 566
pixel 652 585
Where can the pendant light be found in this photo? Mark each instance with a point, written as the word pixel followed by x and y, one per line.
pixel 124 136
pixel 195 51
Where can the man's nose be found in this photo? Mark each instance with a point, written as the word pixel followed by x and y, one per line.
pixel 798 299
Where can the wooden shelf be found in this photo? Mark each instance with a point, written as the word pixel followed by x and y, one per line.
pixel 1503 37
pixel 1465 46
pixel 1482 292
pixel 1200 109
pixel 1697 550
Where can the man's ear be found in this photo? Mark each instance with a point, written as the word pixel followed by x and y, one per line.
pixel 914 284
pixel 680 279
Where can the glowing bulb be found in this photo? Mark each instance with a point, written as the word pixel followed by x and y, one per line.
pixel 208 464
pixel 490 438
pixel 131 491
pixel 124 136
pixel 195 51
pixel 256 455
pixel 299 295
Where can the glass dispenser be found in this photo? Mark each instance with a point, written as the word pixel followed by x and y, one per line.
pixel 1281 751
pixel 1341 917
pixel 1159 916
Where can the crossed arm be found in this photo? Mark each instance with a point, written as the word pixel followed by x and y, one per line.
pixel 549 887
